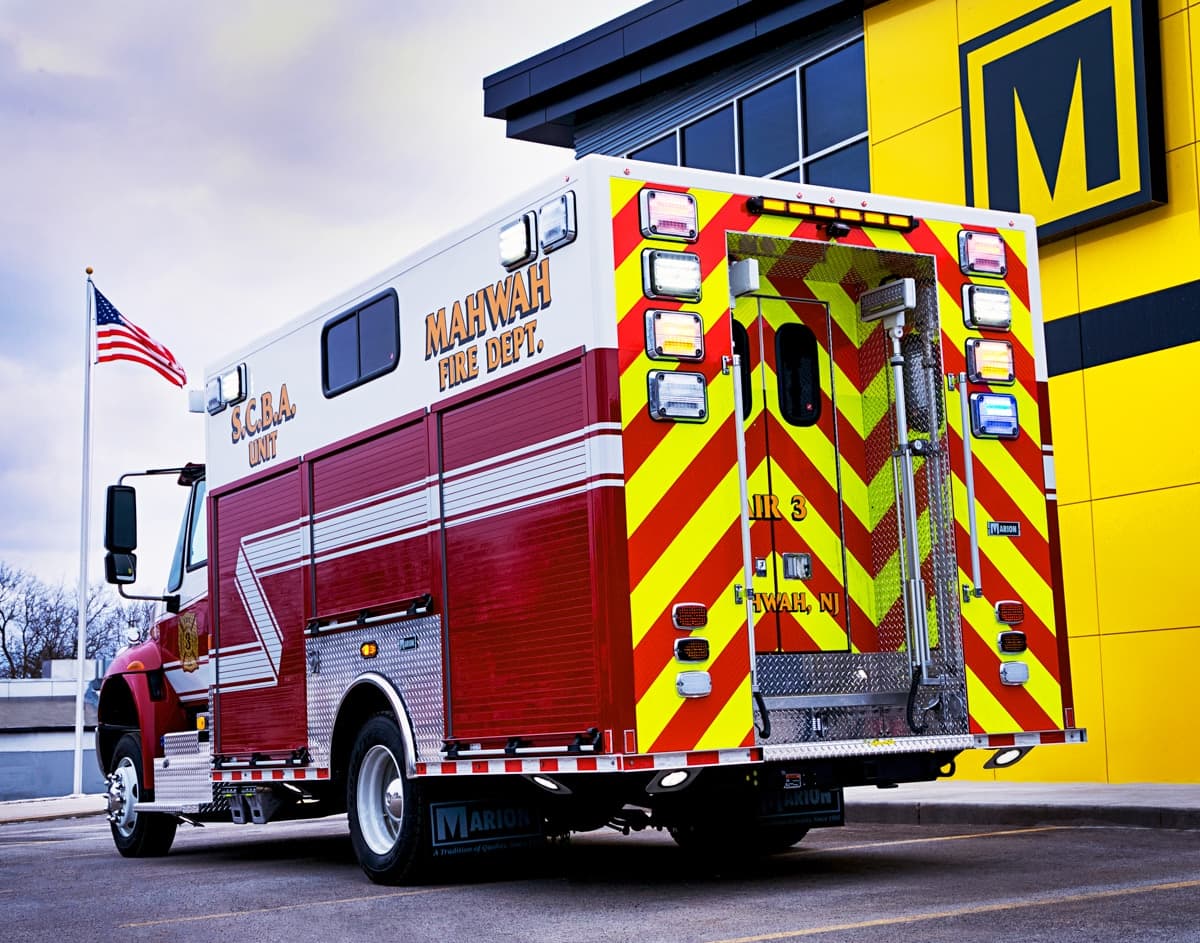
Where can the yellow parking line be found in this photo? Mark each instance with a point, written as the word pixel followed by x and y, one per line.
pixel 968 911
pixel 270 910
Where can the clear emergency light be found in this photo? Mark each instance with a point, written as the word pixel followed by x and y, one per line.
pixel 994 416
pixel 1014 672
pixel 674 335
pixel 517 242
pixel 678 396
pixel 226 389
pixel 982 253
pixel 556 222
pixel 987 307
pixel 990 361
pixel 671 274
pixel 667 214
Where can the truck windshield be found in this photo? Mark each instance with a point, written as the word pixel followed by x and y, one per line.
pixel 192 543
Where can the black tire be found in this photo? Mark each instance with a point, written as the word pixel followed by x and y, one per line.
pixel 136 834
pixel 387 810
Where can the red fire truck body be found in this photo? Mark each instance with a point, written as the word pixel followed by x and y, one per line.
pixel 657 497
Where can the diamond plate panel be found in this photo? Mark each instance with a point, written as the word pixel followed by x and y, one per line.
pixel 183 776
pixel 802 751
pixel 410 657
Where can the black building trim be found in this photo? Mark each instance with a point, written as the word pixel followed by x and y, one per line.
pixel 1157 321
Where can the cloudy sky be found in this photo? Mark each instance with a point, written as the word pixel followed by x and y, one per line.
pixel 223 166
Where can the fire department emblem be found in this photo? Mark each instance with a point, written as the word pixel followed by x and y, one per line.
pixel 189 642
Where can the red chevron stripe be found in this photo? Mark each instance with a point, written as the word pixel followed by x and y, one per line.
pixel 696 715
pixel 680 501
pixel 1020 704
pixel 627 231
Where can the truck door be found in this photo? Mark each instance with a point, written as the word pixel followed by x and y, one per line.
pixel 793 430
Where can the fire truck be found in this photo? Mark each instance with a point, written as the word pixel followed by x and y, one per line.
pixel 658 497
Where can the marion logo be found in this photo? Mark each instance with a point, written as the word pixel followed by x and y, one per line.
pixel 1062 114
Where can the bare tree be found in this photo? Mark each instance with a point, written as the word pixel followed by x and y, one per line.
pixel 39 622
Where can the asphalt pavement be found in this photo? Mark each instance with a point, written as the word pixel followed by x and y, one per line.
pixel 945 802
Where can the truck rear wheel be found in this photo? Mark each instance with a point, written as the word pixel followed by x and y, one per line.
pixel 136 834
pixel 387 811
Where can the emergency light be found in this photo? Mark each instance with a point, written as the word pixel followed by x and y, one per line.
pixel 987 307
pixel 667 214
pixel 556 222
pixel 990 361
pixel 982 253
pixel 674 335
pixel 679 396
pixel 671 274
pixel 994 416
pixel 692 648
pixel 1014 673
pixel 517 242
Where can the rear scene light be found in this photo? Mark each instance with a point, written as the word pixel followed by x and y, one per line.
pixel 987 308
pixel 982 253
pixel 990 361
pixel 994 416
pixel 678 396
pixel 1011 642
pixel 893 297
pixel 674 335
pixel 666 214
pixel 671 275
pixel 689 615
pixel 693 648
pixel 1010 612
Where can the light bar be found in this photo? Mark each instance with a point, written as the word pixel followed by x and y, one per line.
pixel 982 253
pixel 671 274
pixel 226 389
pixel 674 335
pixel 556 222
pixel 987 308
pixel 517 242
pixel 820 212
pixel 689 615
pixel 890 298
pixel 994 416
pixel 667 214
pixel 677 396
pixel 990 361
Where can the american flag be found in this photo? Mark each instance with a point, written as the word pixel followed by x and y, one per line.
pixel 118 338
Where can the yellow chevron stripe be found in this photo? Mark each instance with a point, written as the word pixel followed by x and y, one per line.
pixel 732 723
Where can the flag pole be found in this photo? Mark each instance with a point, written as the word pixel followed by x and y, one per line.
pixel 85 491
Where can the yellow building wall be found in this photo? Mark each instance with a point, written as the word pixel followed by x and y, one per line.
pixel 1126 434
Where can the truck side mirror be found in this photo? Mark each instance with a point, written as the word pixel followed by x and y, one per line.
pixel 120 568
pixel 120 524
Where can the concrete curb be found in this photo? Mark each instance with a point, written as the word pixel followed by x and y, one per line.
pixel 944 813
pixel 41 810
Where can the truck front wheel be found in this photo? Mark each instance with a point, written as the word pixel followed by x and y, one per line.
pixel 136 834
pixel 388 818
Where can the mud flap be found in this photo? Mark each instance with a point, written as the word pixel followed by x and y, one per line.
pixel 475 826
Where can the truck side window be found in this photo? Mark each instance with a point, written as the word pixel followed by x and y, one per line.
pixel 741 347
pixel 198 541
pixel 798 368
pixel 360 344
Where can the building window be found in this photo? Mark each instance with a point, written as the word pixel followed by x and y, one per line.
pixel 809 124
pixel 361 344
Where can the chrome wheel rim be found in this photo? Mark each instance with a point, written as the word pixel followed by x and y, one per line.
pixel 123 795
pixel 380 796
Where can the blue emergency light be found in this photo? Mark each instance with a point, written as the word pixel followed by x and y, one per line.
pixel 994 416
